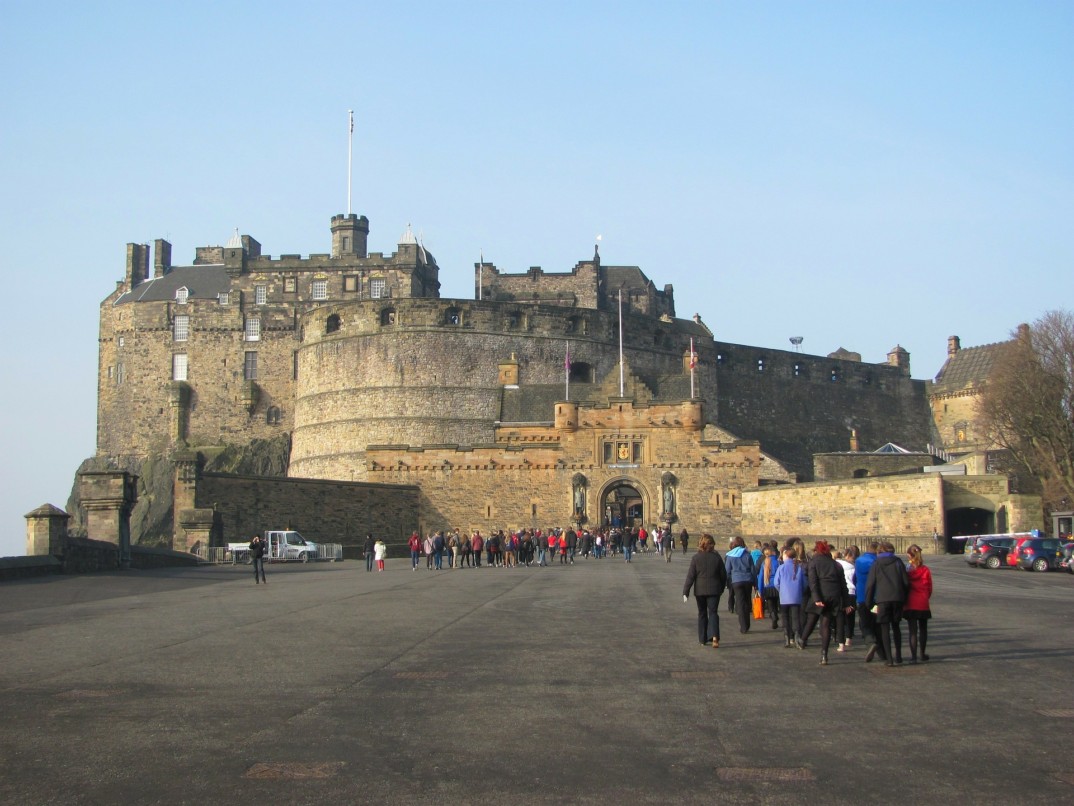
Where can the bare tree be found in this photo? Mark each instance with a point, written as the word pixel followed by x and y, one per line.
pixel 1027 404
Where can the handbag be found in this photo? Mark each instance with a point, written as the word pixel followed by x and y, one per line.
pixel 758 606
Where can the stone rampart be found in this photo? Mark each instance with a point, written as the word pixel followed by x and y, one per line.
pixel 860 508
pixel 323 511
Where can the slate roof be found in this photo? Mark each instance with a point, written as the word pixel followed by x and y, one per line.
pixel 202 282
pixel 616 277
pixel 969 366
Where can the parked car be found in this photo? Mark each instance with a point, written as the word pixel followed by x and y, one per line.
pixel 1039 554
pixel 1067 561
pixel 990 552
pixel 1016 547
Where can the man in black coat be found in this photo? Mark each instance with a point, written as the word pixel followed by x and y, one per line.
pixel 886 591
pixel 707 575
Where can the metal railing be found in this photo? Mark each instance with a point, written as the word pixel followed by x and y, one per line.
pixel 220 555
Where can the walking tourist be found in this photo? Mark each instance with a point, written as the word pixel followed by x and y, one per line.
pixel 708 578
pixel 917 612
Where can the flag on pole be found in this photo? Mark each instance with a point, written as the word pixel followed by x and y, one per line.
pixel 567 369
pixel 693 355
pixel 352 121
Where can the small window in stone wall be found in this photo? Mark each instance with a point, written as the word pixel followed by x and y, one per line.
pixel 350 283
pixel 260 294
pixel 331 324
pixel 377 287
pixel 273 416
pixel 514 320
pixel 290 285
pixel 581 372
pixel 249 366
pixel 452 316
pixel 720 358
pixel 861 473
pixel 760 365
pixel 319 289
pixel 576 324
pixel 836 375
pixel 387 316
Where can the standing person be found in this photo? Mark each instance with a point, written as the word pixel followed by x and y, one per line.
pixel 477 543
pixel 866 620
pixel 766 573
pixel 886 590
pixel 740 573
pixel 846 562
pixel 367 552
pixel 917 612
pixel 257 555
pixel 438 551
pixel 454 546
pixel 791 583
pixel 414 544
pixel 684 539
pixel 628 538
pixel 467 552
pixel 708 577
pixel 828 592
pixel 427 547
pixel 380 549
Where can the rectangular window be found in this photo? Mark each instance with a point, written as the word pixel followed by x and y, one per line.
pixel 260 294
pixel 376 288
pixel 253 328
pixel 121 373
pixel 609 452
pixel 249 366
pixel 350 284
pixel 289 285
pixel 181 327
pixel 320 289
pixel 179 367
pixel 224 298
pixel 637 453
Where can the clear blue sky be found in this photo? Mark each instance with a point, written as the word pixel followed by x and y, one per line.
pixel 860 174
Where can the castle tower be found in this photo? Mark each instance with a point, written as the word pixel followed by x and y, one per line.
pixel 350 234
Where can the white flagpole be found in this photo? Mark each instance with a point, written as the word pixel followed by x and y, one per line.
pixel 350 141
pixel 622 392
pixel 567 369
pixel 481 276
pixel 693 363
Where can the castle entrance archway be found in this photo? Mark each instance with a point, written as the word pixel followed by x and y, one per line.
pixel 622 503
pixel 967 521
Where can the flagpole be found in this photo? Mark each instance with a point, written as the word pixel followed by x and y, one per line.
pixel 481 276
pixel 350 141
pixel 567 369
pixel 693 363
pixel 622 393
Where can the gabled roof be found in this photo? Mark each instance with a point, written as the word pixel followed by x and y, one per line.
pixel 201 282
pixel 891 447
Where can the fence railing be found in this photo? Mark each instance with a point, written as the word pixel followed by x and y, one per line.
pixel 220 555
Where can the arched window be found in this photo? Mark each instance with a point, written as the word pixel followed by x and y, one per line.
pixel 331 324
pixel 452 316
pixel 272 416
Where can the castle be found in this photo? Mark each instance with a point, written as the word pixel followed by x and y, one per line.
pixel 549 398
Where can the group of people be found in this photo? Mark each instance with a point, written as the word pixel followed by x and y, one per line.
pixel 804 589
pixel 508 549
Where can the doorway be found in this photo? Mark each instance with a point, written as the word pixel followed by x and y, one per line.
pixel 622 505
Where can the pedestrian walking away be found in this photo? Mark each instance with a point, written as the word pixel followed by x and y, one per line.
pixel 917 612
pixel 707 576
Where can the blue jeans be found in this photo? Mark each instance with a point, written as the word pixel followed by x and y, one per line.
pixel 369 561
pixel 414 558
pixel 626 553
pixel 438 559
pixel 259 562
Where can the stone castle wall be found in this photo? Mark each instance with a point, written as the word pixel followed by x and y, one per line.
pixel 910 506
pixel 323 511
pixel 797 405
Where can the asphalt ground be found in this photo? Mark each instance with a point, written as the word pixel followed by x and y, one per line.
pixel 569 684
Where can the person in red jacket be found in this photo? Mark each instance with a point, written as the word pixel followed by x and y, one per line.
pixel 917 612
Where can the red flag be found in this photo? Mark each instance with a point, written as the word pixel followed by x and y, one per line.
pixel 693 355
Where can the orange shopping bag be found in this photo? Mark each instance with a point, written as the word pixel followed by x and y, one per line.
pixel 758 606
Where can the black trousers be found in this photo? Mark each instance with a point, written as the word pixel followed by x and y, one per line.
pixel 743 607
pixel 708 618
pixel 259 562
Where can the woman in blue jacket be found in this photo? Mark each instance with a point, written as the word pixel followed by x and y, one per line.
pixel 740 573
pixel 766 574
pixel 791 583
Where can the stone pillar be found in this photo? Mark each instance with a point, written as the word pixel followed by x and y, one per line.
pixel 195 529
pixel 46 529
pixel 184 493
pixel 108 498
